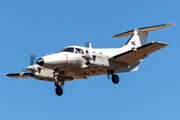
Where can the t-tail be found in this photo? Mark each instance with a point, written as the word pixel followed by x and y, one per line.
pixel 135 49
pixel 139 36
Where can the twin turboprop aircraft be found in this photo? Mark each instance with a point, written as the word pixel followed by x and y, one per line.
pixel 75 62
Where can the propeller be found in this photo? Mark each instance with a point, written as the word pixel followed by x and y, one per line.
pixel 88 55
pixel 22 71
pixel 32 58
pixel 88 44
pixel 32 68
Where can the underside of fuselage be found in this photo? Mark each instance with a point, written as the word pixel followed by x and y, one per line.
pixel 69 75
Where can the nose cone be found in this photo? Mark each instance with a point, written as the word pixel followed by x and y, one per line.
pixel 40 61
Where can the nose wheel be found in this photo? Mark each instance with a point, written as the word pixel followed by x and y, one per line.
pixel 59 90
pixel 58 83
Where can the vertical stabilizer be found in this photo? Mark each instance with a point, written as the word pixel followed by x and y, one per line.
pixel 137 39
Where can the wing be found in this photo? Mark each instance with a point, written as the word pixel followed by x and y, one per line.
pixel 20 75
pixel 133 56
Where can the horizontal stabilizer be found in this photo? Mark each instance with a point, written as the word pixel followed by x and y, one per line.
pixel 144 29
pixel 132 56
pixel 20 75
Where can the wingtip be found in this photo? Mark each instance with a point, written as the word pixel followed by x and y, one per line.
pixel 166 44
pixel 171 24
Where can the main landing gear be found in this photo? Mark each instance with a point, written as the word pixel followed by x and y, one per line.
pixel 58 84
pixel 115 79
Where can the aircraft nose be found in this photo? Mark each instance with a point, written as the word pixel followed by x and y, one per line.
pixel 40 61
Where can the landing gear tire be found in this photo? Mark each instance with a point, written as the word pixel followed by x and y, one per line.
pixel 115 79
pixel 59 91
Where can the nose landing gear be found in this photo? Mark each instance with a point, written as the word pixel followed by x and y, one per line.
pixel 58 84
pixel 59 90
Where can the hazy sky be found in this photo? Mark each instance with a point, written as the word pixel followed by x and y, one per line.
pixel 45 27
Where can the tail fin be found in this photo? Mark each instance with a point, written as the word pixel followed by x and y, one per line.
pixel 139 36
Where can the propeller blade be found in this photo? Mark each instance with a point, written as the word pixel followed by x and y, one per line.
pixel 88 44
pixel 23 70
pixel 32 58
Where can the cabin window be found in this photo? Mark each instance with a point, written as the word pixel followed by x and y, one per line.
pixel 80 51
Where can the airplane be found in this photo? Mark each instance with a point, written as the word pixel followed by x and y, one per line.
pixel 77 62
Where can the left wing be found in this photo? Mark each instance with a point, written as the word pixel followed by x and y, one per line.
pixel 20 75
pixel 132 56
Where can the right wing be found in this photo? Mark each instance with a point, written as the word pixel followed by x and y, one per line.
pixel 20 75
pixel 132 56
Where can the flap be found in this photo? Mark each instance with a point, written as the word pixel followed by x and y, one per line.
pixel 132 56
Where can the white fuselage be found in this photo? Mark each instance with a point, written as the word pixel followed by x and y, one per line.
pixel 76 65
pixel 74 61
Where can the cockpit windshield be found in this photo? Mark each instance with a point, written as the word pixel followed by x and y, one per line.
pixel 70 49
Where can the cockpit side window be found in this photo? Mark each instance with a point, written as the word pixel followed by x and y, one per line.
pixel 70 49
pixel 80 51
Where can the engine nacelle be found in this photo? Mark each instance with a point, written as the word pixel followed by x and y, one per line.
pixel 98 61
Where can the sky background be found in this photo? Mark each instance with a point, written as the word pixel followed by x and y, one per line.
pixel 47 26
